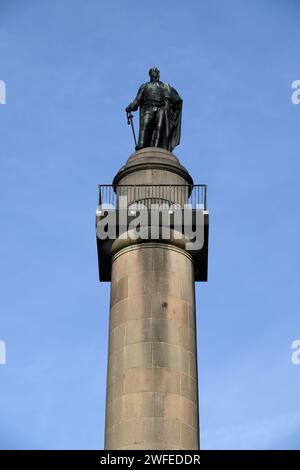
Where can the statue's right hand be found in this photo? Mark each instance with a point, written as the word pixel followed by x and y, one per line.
pixel 128 109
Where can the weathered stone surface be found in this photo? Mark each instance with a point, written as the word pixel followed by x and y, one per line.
pixel 152 397
pixel 152 404
pixel 152 165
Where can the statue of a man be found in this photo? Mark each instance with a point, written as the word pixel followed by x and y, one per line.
pixel 160 113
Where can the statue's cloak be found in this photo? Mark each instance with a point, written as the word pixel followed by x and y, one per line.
pixel 173 112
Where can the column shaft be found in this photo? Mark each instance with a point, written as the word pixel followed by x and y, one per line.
pixel 152 396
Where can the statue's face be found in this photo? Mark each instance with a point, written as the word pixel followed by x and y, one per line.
pixel 154 74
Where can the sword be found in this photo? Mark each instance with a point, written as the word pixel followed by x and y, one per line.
pixel 130 122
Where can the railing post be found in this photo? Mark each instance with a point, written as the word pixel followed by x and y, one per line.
pixel 99 196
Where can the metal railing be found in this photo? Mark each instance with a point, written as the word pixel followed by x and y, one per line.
pixel 155 194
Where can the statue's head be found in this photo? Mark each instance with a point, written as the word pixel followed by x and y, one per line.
pixel 154 73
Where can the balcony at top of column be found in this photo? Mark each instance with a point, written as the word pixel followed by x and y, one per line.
pixel 179 208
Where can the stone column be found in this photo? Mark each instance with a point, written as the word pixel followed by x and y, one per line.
pixel 152 392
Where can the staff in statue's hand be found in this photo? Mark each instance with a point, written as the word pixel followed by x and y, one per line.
pixel 130 122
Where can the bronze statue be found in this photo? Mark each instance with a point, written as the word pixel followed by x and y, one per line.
pixel 160 113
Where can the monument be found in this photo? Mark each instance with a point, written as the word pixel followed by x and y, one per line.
pixel 153 249
pixel 160 113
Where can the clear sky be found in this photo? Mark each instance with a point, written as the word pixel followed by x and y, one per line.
pixel 70 67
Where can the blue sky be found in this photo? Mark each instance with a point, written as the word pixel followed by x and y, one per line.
pixel 70 68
